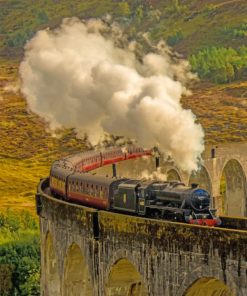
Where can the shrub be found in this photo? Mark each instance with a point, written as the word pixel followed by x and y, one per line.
pixel 20 255
pixel 175 38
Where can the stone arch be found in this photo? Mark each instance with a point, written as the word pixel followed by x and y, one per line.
pixel 173 174
pixel 202 178
pixel 208 286
pixel 200 272
pixel 51 268
pixel 233 188
pixel 124 279
pixel 76 277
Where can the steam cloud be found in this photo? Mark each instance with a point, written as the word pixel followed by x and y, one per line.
pixel 87 76
pixel 156 175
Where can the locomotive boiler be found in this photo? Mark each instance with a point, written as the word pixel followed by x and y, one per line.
pixel 166 200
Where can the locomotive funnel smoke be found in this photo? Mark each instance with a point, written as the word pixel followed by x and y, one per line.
pixel 85 75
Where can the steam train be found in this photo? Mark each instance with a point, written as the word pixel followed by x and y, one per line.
pixel 70 180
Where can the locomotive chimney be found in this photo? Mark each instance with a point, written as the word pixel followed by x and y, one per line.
pixel 157 162
pixel 114 170
pixel 213 153
pixel 157 157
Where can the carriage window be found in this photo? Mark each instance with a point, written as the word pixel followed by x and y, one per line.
pixel 96 191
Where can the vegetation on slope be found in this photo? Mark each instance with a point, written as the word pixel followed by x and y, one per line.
pixel 221 22
pixel 194 28
pixel 220 65
pixel 221 110
pixel 19 254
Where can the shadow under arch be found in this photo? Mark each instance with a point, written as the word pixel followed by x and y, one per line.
pixel 208 286
pixel 202 178
pixel 233 189
pixel 76 277
pixel 52 282
pixel 125 280
pixel 173 175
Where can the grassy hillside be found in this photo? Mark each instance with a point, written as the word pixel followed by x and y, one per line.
pixel 221 110
pixel 188 25
pixel 27 149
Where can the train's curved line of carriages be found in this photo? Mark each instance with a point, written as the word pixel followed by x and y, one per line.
pixel 88 161
pixel 70 180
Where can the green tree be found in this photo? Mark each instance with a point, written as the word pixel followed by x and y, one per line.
pixel 139 14
pixel 20 257
pixel 220 65
pixel 6 285
pixel 124 8
pixel 229 72
pixel 42 17
pixel 175 38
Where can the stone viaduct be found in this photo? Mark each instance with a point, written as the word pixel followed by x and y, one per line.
pixel 96 253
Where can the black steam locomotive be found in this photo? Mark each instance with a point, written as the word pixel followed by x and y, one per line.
pixel 164 200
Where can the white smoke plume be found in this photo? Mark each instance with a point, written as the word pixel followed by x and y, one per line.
pixel 156 175
pixel 87 76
